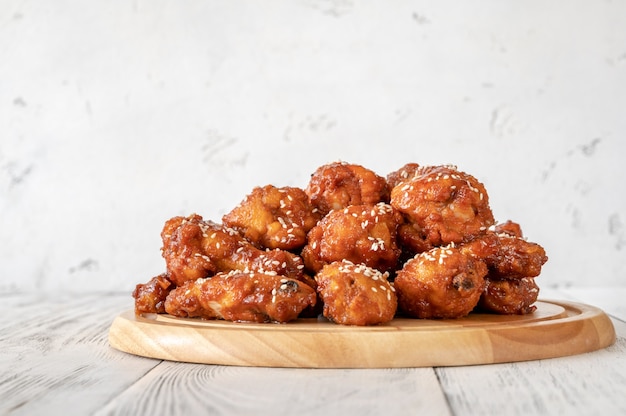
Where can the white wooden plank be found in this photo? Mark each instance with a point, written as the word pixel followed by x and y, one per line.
pixel 177 388
pixel 55 356
pixel 589 384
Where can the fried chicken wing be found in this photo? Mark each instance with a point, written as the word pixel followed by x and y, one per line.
pixel 194 248
pixel 508 256
pixel 442 205
pixel 509 296
pixel 241 297
pixel 441 283
pixel 518 258
pixel 355 294
pixel 182 249
pixel 272 217
pixel 359 233
pixel 150 296
pixel 338 185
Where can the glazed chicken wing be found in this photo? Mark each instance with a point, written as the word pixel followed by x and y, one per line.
pixel 150 296
pixel 338 185
pixel 442 205
pixel 509 296
pixel 194 248
pixel 241 297
pixel 359 233
pixel 441 283
pixel 354 294
pixel 508 256
pixel 272 217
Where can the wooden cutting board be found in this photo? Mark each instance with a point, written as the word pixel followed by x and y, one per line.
pixel 555 329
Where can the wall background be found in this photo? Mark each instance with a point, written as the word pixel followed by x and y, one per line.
pixel 115 116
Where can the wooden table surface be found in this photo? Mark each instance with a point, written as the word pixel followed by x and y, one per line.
pixel 55 359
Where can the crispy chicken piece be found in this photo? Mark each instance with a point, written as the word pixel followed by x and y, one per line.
pixel 194 248
pixel 354 294
pixel 509 296
pixel 272 217
pixel 441 283
pixel 507 256
pixel 338 185
pixel 359 233
pixel 517 258
pixel 241 297
pixel 442 205
pixel 150 296
pixel 182 249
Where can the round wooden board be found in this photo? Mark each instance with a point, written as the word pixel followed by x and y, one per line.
pixel 555 329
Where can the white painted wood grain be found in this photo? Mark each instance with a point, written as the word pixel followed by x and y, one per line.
pixel 55 358
pixel 220 390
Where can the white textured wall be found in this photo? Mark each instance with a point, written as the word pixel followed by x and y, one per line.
pixel 116 115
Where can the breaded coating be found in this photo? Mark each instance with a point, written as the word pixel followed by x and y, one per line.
pixel 272 217
pixel 241 297
pixel 509 296
pixel 443 205
pixel 354 294
pixel 150 296
pixel 359 233
pixel 508 256
pixel 441 283
pixel 194 248
pixel 338 185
